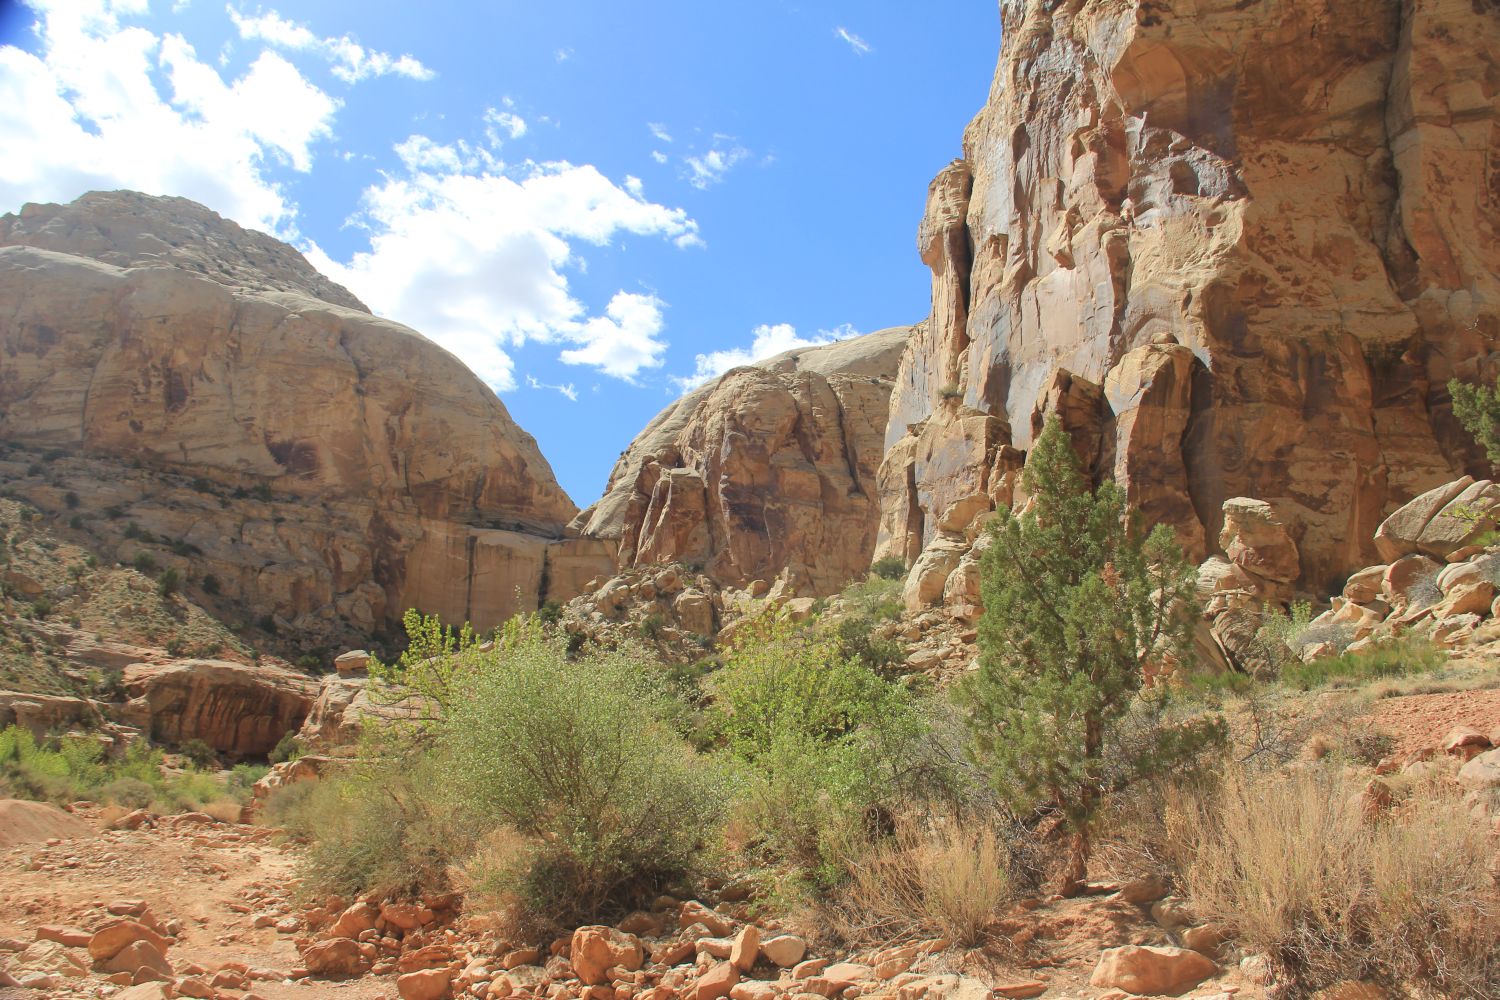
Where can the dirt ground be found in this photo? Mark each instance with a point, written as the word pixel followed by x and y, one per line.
pixel 215 879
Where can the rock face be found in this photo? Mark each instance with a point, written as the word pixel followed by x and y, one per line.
pixel 344 468
pixel 233 707
pixel 1239 248
pixel 768 469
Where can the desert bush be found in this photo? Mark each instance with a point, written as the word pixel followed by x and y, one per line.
pixel 169 582
pixel 928 880
pixel 242 779
pixel 289 747
pixel 1291 862
pixel 130 792
pixel 827 751
pixel 889 568
pixel 200 754
pixel 1399 658
pixel 578 757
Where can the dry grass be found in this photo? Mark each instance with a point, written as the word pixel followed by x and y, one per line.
pixel 925 882
pixel 224 810
pixel 1292 863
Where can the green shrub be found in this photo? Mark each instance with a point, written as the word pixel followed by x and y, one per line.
pixel 144 562
pixel 242 779
pixel 211 585
pixel 169 582
pixel 132 793
pixel 1403 657
pixel 200 754
pixel 41 607
pixel 289 747
pixel 889 568
pixel 579 758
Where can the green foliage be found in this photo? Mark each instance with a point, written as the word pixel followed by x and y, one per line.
pixel 144 562
pixel 550 613
pixel 889 568
pixel 200 753
pixel 74 767
pixel 1477 407
pixel 576 760
pixel 580 759
pixel 827 750
pixel 1403 657
pixel 287 748
pixel 211 585
pixel 41 607
pixel 169 582
pixel 1078 601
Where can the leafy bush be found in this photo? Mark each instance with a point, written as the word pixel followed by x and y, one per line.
pixel 200 753
pixel 576 758
pixel 827 750
pixel 144 562
pixel 889 568
pixel 289 747
pixel 1292 863
pixel 1402 657
pixel 169 582
pixel 211 585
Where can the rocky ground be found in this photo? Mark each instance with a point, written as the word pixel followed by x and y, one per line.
pixel 94 903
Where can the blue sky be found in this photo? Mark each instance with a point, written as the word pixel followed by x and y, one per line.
pixel 593 204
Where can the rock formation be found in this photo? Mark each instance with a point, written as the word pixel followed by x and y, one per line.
pixel 235 708
pixel 768 469
pixel 1240 249
pixel 328 469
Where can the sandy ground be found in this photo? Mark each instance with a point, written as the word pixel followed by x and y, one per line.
pixel 215 879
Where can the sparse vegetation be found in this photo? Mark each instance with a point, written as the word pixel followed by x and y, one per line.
pixel 1396 658
pixel 889 568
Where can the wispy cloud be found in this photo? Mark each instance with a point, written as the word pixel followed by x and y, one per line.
pixel 351 61
pixel 859 45
pixel 708 169
pixel 660 131
pixel 568 390
pixel 768 340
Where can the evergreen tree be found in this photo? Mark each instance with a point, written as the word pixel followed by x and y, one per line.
pixel 1078 599
pixel 1477 407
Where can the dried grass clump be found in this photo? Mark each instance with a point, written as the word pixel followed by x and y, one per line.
pixel 1292 862
pixel 926 881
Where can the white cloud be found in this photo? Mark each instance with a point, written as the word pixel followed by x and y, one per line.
pixel 351 61
pixel 709 168
pixel 474 254
pixel 563 55
pixel 658 156
pixel 507 121
pixel 85 113
pixel 768 341
pixel 659 131
pixel 568 390
pixel 859 45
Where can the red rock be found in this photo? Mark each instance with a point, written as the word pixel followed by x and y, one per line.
pixel 336 957
pixel 716 982
pixel 138 955
pixel 1151 971
pixel 70 936
pixel 111 939
pixel 598 948
pixel 428 984
pixel 352 921
pixel 746 948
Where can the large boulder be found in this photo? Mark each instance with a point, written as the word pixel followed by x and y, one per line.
pixel 1152 971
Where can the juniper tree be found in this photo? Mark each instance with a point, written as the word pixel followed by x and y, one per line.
pixel 1078 600
pixel 1477 407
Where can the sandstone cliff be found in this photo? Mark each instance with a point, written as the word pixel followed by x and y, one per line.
pixel 768 469
pixel 1241 247
pixel 255 424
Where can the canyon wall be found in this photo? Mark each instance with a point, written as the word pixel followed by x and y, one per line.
pixel 768 470
pixel 327 468
pixel 1240 247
